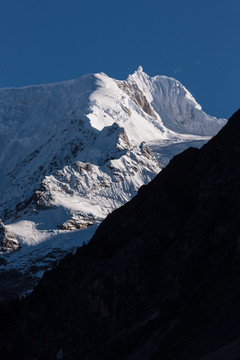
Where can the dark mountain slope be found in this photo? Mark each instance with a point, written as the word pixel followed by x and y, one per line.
pixel 159 279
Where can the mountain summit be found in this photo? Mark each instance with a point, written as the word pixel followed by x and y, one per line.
pixel 72 152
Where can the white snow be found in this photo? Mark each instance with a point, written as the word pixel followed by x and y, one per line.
pixel 28 233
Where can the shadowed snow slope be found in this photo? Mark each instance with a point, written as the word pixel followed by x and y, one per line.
pixel 72 152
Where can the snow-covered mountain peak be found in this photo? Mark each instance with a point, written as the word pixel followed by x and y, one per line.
pixel 174 104
pixel 139 72
pixel 72 152
pixel 138 76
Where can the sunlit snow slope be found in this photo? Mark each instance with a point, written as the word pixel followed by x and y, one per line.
pixel 72 152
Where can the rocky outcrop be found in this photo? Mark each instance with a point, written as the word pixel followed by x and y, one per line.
pixel 77 223
pixel 137 96
pixel 8 241
pixel 145 150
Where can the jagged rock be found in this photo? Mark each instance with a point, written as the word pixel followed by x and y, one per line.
pixel 77 223
pixel 8 241
pixel 145 149
pixel 84 166
pixel 136 96
pixel 43 200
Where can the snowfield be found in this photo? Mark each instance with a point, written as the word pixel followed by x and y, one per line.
pixel 72 152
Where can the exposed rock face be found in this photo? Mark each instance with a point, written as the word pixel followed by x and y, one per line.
pixel 77 223
pixel 8 241
pixel 137 96
pixel 145 149
pixel 159 279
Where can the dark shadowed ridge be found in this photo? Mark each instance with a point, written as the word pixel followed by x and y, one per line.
pixel 159 279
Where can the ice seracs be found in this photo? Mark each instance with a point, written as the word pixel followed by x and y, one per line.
pixel 81 148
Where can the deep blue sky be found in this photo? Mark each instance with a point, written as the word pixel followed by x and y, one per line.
pixel 197 42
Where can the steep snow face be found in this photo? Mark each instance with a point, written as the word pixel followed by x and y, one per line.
pixel 174 104
pixel 72 152
pixel 30 115
pixel 110 102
